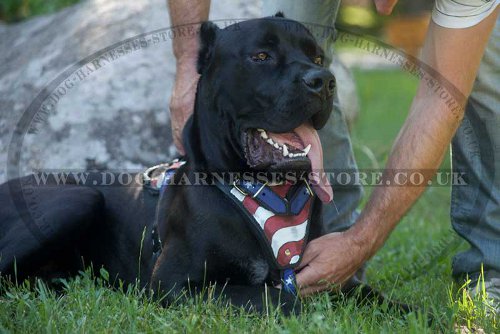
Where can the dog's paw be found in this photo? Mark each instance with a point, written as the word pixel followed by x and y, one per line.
pixel 288 304
pixel 291 306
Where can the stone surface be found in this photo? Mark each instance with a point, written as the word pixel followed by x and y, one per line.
pixel 117 115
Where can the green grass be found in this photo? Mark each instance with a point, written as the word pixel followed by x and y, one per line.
pixel 413 267
pixel 17 10
pixel 385 98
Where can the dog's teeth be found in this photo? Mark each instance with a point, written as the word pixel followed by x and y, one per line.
pixel 285 150
pixel 306 150
pixel 276 145
pixel 270 141
pixel 263 133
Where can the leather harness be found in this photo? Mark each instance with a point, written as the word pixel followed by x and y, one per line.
pixel 278 215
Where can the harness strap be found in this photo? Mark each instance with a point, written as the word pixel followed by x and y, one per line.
pixel 159 176
pixel 266 197
pixel 155 180
pixel 282 237
pixel 289 282
pixel 157 247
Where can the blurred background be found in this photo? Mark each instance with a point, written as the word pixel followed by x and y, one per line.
pixel 405 28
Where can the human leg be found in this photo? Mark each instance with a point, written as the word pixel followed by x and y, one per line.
pixel 319 17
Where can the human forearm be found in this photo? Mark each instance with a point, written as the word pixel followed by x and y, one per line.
pixel 420 148
pixel 186 15
pixel 430 126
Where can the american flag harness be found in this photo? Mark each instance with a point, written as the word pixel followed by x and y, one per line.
pixel 278 215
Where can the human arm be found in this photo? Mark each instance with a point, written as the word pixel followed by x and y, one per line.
pixel 455 54
pixel 385 7
pixel 185 14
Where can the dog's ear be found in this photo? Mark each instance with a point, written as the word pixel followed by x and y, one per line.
pixel 279 14
pixel 208 33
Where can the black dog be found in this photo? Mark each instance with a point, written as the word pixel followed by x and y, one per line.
pixel 258 105
pixel 262 95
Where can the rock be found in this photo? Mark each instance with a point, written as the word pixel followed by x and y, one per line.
pixel 113 112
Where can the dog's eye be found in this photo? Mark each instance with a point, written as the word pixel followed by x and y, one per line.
pixel 261 56
pixel 318 60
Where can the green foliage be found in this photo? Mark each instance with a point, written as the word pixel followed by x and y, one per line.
pixel 474 310
pixel 17 10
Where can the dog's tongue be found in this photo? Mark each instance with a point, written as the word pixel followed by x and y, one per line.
pixel 317 178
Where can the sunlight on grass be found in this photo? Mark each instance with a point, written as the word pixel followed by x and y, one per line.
pixel 475 311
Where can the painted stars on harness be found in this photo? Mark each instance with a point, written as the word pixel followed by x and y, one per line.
pixel 289 281
pixel 248 184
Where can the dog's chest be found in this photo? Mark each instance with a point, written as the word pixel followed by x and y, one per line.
pixel 281 234
pixel 258 270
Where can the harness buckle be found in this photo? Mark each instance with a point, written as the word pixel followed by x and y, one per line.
pixel 239 189
pixel 260 189
pixel 244 193
pixel 309 190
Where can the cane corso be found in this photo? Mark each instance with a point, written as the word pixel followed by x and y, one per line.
pixel 262 95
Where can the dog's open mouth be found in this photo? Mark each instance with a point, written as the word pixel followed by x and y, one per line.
pixel 299 150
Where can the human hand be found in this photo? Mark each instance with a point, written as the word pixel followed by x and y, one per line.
pixel 330 260
pixel 182 99
pixel 385 7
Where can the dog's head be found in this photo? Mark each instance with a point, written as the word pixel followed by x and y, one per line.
pixel 263 93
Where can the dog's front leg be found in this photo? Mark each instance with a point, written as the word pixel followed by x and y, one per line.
pixel 176 277
pixel 261 299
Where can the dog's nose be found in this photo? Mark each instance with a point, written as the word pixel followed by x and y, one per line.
pixel 320 82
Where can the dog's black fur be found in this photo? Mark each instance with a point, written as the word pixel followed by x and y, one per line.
pixel 205 237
